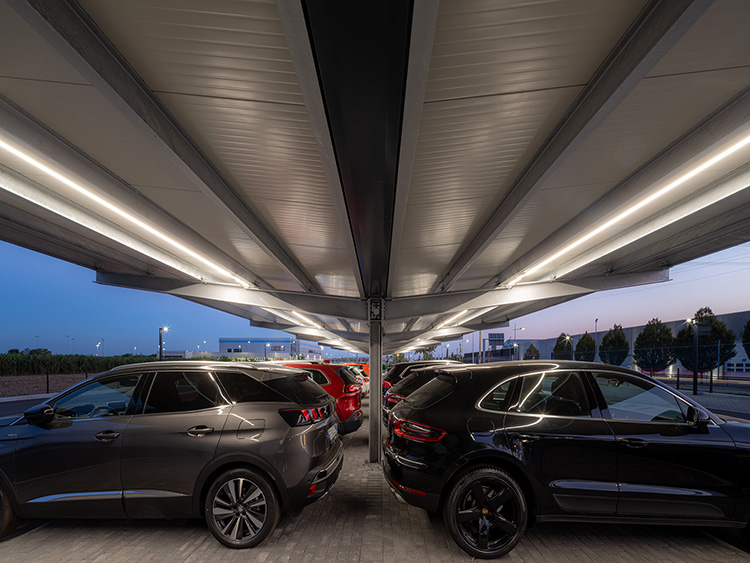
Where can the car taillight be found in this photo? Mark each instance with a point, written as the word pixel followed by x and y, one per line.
pixel 419 432
pixel 302 417
pixel 352 389
pixel 394 398
pixel 386 384
pixel 367 380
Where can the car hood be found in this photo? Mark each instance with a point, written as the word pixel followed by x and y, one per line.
pixel 7 420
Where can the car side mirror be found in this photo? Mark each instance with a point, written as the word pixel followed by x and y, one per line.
pixel 697 419
pixel 39 415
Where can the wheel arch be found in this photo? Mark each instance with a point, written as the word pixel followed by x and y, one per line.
pixel 231 461
pixel 504 463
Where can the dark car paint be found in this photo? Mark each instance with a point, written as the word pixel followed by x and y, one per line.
pixel 578 468
pixel 160 470
pixel 402 369
pixel 411 380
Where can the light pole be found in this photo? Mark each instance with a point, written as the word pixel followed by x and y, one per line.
pixel 102 347
pixel 74 345
pixel 447 346
pixel 97 347
pixel 596 337
pixel 515 346
pixel 267 347
pixel 162 329
pixel 67 344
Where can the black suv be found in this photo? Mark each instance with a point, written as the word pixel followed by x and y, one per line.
pixel 411 380
pixel 499 445
pixel 402 369
pixel 232 443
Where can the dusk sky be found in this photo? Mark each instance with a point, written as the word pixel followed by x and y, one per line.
pixel 45 299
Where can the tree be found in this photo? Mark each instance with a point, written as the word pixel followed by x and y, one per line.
pixel 586 348
pixel 532 353
pixel 614 347
pixel 427 353
pixel 710 353
pixel 653 348
pixel 563 349
pixel 746 338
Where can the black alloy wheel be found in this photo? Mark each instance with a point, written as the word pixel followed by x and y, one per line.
pixel 486 512
pixel 241 508
pixel 8 518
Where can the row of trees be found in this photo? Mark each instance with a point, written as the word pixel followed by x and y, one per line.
pixel 655 348
pixel 41 360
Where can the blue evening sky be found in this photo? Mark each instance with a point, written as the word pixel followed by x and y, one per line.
pixel 48 303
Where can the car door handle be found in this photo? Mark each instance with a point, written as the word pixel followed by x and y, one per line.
pixel 200 430
pixel 107 435
pixel 634 442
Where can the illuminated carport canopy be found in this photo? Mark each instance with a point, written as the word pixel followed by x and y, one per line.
pixel 424 168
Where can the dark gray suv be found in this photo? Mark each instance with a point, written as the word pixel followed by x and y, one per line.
pixel 233 443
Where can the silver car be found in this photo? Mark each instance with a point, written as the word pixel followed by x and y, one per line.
pixel 233 443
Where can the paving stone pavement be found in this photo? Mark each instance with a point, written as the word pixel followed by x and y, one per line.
pixel 359 521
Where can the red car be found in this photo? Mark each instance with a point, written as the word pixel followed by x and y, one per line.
pixel 342 385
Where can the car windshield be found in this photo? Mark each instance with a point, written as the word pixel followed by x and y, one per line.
pixel 298 388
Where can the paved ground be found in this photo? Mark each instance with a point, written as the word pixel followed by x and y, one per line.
pixel 359 521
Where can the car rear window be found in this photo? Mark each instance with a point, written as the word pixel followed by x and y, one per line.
pixel 299 388
pixel 243 388
pixel 348 377
pixel 438 389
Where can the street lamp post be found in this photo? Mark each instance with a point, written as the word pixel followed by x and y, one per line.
pixel 162 329
pixel 596 337
pixel 515 345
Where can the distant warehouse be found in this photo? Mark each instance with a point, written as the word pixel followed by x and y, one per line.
pixel 271 348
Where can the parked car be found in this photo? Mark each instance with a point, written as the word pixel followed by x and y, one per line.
pixel 497 446
pixel 233 443
pixel 342 385
pixel 412 380
pixel 402 369
pixel 364 381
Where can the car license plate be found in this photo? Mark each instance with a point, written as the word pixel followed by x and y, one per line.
pixel 332 433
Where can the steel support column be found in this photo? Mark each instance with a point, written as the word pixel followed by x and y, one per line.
pixel 376 366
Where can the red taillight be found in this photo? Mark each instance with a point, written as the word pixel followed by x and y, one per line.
pixel 311 492
pixel 395 398
pixel 419 432
pixel 302 417
pixel 367 380
pixel 352 389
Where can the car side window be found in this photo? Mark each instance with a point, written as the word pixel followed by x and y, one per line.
pixel 243 388
pixel 182 391
pixel 629 398
pixel 318 377
pixel 496 399
pixel 555 393
pixel 112 396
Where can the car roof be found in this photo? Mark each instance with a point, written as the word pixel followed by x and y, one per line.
pixel 262 370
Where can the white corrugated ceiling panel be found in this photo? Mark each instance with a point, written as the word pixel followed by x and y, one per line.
pixel 685 87
pixel 225 72
pixel 502 74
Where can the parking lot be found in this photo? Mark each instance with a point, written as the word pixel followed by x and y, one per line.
pixel 360 520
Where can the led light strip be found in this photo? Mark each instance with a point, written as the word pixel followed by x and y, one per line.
pixel 305 319
pixel 452 319
pixel 122 213
pixel 629 211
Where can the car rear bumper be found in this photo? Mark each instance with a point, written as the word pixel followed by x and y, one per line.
pixel 354 422
pixel 318 480
pixel 404 480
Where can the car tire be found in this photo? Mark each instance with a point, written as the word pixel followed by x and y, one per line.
pixel 485 512
pixel 8 519
pixel 241 508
